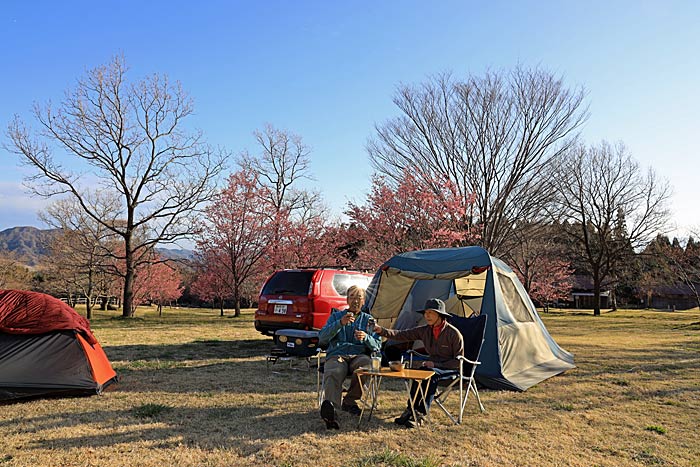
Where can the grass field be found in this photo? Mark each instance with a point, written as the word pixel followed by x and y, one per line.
pixel 195 390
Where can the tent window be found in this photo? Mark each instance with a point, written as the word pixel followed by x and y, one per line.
pixel 471 286
pixel 513 300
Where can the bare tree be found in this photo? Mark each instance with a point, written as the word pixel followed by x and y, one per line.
pixel 282 162
pixel 495 137
pixel 128 140
pixel 13 274
pixel 80 250
pixel 613 208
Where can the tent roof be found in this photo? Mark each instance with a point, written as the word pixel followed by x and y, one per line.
pixel 24 312
pixel 441 260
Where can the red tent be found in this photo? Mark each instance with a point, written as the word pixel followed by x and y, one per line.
pixel 46 348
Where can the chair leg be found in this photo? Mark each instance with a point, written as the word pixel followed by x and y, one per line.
pixel 478 399
pixel 472 388
pixel 449 415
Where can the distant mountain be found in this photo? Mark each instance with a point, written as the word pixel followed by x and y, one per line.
pixel 29 245
pixel 169 253
pixel 26 244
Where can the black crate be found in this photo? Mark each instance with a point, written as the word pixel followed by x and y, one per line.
pixel 297 342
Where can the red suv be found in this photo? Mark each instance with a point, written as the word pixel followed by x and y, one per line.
pixel 303 298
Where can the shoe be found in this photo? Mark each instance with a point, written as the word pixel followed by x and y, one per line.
pixel 411 423
pixel 328 415
pixel 404 417
pixel 352 409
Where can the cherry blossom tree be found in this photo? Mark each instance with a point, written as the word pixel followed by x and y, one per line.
pixel 155 280
pixel 211 282
pixel 551 279
pixel 160 283
pixel 239 232
pixel 410 216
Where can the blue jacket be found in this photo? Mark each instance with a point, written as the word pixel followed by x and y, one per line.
pixel 341 339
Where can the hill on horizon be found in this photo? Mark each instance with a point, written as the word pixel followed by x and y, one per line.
pixel 29 245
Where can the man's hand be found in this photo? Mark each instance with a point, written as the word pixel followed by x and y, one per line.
pixel 378 329
pixel 360 335
pixel 348 318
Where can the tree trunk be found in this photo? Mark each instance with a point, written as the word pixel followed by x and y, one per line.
pixel 237 302
pixel 596 294
pixel 127 306
pixel 221 306
pixel 88 296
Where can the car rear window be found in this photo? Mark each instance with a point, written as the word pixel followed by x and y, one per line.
pixel 342 282
pixel 288 283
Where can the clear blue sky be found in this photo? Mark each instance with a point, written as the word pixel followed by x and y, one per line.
pixel 327 71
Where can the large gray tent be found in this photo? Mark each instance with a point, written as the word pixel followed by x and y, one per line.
pixel 518 352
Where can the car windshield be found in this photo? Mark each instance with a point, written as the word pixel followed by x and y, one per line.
pixel 288 283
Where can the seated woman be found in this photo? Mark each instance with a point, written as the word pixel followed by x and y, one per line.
pixel 443 343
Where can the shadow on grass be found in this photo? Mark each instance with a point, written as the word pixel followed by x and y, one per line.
pixel 243 429
pixel 242 377
pixel 197 350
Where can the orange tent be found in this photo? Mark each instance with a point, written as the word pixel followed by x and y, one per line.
pixel 47 349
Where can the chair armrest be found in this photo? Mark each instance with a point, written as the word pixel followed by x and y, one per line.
pixel 463 359
pixel 460 357
pixel 319 352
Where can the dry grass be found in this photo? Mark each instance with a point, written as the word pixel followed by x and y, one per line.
pixel 196 391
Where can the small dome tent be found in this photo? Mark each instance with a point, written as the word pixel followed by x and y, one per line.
pixel 518 352
pixel 47 349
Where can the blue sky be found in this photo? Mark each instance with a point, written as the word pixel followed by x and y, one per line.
pixel 327 71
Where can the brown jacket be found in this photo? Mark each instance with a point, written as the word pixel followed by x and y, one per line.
pixel 443 351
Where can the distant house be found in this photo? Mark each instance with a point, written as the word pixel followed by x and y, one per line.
pixel 582 293
pixel 672 297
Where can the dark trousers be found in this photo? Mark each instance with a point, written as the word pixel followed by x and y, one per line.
pixel 430 388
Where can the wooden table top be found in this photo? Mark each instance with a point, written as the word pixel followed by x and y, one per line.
pixel 406 373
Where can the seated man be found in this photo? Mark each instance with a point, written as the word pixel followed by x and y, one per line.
pixel 443 343
pixel 349 347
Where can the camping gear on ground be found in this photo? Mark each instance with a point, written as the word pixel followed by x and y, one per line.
pixel 47 349
pixel 517 353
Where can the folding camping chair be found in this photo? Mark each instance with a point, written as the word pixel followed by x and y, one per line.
pixel 320 369
pixel 320 383
pixel 472 330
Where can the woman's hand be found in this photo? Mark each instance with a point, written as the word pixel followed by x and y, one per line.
pixel 428 364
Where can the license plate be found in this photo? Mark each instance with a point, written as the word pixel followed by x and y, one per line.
pixel 280 309
pixel 290 344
